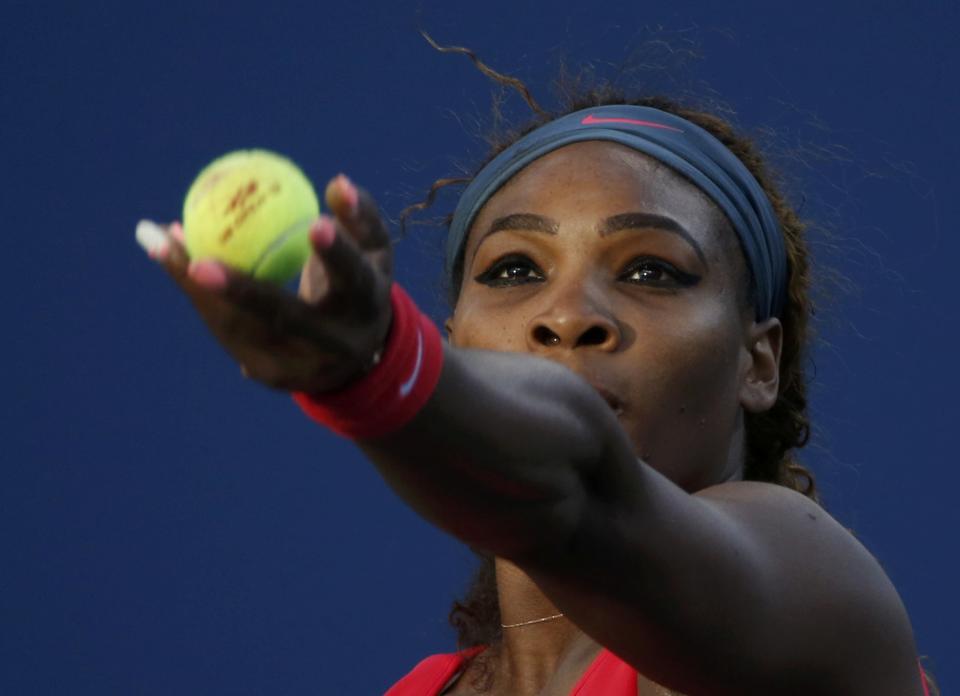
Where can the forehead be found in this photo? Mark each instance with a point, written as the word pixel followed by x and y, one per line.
pixel 578 183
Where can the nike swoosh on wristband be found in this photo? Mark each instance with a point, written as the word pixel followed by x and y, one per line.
pixel 406 386
pixel 590 120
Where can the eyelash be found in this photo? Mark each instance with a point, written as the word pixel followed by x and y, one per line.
pixel 677 278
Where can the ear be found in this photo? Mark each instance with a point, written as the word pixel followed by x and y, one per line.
pixel 761 379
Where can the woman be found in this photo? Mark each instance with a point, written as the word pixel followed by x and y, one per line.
pixel 609 420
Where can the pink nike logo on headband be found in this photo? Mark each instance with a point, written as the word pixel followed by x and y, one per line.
pixel 590 120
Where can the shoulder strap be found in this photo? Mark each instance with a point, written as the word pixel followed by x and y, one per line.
pixel 923 680
pixel 431 674
pixel 607 676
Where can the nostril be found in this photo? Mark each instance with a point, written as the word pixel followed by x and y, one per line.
pixel 593 336
pixel 545 336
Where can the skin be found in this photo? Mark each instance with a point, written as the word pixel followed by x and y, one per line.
pixel 680 358
pixel 569 294
pixel 632 520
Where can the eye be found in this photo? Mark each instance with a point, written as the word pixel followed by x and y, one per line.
pixel 515 269
pixel 656 272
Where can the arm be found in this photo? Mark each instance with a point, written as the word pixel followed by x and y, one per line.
pixel 741 588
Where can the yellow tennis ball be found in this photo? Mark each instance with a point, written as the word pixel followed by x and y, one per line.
pixel 252 210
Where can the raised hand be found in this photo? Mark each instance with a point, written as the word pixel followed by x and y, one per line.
pixel 318 340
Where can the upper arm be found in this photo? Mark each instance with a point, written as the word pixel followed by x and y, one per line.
pixel 826 598
pixel 745 587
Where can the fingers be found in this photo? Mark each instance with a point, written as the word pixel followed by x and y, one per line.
pixel 208 274
pixel 348 274
pixel 357 212
pixel 280 339
pixel 200 281
pixel 164 244
pixel 232 303
pixel 153 239
pixel 203 281
pixel 344 275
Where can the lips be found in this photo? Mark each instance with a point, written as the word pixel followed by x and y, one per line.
pixel 613 401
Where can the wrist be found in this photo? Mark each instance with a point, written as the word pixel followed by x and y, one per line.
pixel 398 381
pixel 362 365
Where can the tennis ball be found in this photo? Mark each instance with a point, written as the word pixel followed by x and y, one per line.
pixel 251 209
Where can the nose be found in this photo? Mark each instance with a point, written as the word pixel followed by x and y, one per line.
pixel 573 321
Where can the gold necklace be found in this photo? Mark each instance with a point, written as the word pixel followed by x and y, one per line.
pixel 532 621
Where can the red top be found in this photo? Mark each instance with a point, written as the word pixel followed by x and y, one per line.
pixel 607 675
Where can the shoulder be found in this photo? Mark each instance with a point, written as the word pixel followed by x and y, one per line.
pixel 799 526
pixel 800 542
pixel 801 539
pixel 830 586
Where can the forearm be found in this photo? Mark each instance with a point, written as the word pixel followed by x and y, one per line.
pixel 498 454
pixel 520 457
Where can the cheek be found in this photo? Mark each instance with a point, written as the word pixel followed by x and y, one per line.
pixel 686 386
pixel 487 328
pixel 709 368
pixel 689 379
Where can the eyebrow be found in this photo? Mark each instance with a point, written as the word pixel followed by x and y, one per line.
pixel 612 225
pixel 639 221
pixel 523 221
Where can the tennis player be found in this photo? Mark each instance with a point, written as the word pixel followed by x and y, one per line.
pixel 610 422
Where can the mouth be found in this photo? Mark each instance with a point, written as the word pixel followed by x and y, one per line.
pixel 613 401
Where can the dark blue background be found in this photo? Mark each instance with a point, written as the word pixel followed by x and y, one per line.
pixel 167 527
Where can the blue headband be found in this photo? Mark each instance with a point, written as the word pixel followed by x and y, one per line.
pixel 678 143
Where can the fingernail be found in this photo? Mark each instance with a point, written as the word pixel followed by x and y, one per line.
pixel 160 254
pixel 176 231
pixel 207 274
pixel 152 239
pixel 323 233
pixel 348 192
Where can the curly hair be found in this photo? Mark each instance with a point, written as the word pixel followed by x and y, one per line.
pixel 772 437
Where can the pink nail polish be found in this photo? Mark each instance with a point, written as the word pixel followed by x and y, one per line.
pixel 176 231
pixel 349 192
pixel 207 274
pixel 322 233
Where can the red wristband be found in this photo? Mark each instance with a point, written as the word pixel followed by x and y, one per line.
pixel 394 391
